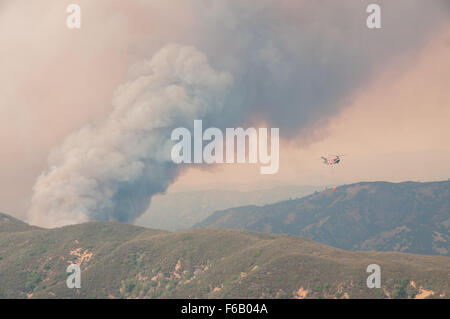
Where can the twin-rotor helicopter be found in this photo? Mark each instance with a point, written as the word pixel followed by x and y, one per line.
pixel 332 159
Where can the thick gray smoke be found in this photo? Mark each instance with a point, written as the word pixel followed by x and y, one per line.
pixel 298 63
pixel 109 171
pixel 292 64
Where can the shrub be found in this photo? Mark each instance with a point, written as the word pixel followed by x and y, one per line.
pixel 33 279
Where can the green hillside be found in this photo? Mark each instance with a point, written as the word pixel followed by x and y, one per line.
pixel 124 261
pixel 409 217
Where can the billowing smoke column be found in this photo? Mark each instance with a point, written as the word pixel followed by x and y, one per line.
pixel 291 64
pixel 110 171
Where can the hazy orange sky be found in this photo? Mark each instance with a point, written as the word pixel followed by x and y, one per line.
pixel 53 81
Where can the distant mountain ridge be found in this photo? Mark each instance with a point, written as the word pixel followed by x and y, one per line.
pixel 125 261
pixel 409 217
pixel 11 224
pixel 181 210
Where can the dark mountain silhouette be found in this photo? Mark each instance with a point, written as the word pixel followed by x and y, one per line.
pixel 407 217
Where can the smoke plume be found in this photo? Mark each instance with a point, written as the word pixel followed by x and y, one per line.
pixel 291 64
pixel 109 171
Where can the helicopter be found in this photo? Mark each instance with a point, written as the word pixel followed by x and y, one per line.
pixel 331 159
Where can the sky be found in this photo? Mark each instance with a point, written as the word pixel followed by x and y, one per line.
pixel 395 130
pixel 315 71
